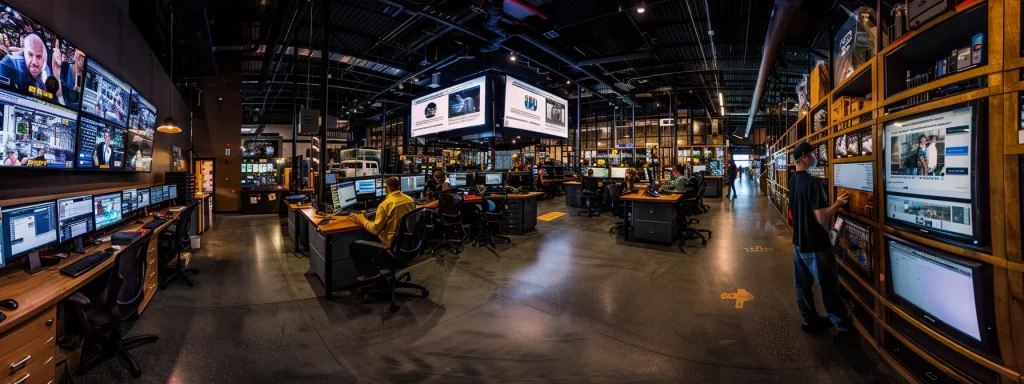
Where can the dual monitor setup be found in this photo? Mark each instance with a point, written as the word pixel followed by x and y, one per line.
pixel 934 186
pixel 29 227
pixel 83 118
pixel 607 173
pixel 347 192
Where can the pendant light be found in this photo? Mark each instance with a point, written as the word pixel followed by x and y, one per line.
pixel 170 125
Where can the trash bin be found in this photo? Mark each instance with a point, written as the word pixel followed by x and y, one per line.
pixel 195 242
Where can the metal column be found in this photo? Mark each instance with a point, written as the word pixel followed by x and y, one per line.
pixel 321 192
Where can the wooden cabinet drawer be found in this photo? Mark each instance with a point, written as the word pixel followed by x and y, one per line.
pixel 148 291
pixel 16 338
pixel 40 349
pixel 654 212
pixel 39 372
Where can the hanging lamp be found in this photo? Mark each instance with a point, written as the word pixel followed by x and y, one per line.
pixel 170 125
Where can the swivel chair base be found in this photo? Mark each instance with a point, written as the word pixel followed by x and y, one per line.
pixel 119 346
pixel 388 285
pixel 180 274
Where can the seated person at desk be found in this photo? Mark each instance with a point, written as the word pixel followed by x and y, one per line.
pixel 384 226
pixel 437 184
pixel 679 181
pixel 631 178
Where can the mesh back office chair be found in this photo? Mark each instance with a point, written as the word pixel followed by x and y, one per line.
pixel 449 209
pixel 174 243
pixel 591 197
pixel 614 193
pixel 406 247
pixel 693 205
pixel 489 221
pixel 100 315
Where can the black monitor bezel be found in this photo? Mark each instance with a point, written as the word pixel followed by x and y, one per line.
pixel 983 299
pixel 980 201
pixel 92 213
pixel 490 101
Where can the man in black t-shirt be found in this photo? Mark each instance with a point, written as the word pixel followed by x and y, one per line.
pixel 812 260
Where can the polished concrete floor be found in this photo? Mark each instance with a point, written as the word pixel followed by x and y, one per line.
pixel 568 303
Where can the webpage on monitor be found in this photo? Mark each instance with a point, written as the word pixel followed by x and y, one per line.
pixel 939 287
pixel 931 155
pixel 854 176
pixel 947 216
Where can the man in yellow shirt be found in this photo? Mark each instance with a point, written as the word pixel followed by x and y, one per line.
pixel 384 226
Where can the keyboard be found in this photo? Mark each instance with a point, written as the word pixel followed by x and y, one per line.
pixel 156 222
pixel 87 263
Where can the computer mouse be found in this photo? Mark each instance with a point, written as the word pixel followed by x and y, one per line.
pixel 2 317
pixel 9 304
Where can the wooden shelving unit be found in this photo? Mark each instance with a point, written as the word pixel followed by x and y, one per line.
pixel 886 325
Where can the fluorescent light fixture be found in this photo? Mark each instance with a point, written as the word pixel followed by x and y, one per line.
pixel 721 100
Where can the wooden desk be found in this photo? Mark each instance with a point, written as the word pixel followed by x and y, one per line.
pixel 32 327
pixel 653 218
pixel 297 226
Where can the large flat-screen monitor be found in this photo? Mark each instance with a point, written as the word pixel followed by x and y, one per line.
pixel 138 153
pixel 951 294
pixel 74 217
pixel 858 181
pixel 413 183
pixel 172 192
pixel 141 117
pixel 100 145
pixel 343 195
pixel 29 227
pixel 493 179
pixel 457 179
pixel 105 96
pixel 933 172
pixel 618 173
pixel 366 186
pixel 599 172
pixel 852 242
pixel 459 106
pixel 156 195
pixel 35 133
pixel 107 209
pixel 32 55
pixel 532 109
pixel 141 198
pixel 129 197
pixel 260 148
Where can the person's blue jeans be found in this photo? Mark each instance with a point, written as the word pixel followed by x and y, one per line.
pixel 820 267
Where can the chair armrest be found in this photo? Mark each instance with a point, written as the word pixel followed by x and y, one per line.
pixel 374 244
pixel 79 300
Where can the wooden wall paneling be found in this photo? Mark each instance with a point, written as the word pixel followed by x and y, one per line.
pixel 1011 35
pixel 997 215
pixel 1012 118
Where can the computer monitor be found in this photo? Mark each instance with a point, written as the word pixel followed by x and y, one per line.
pixel 494 179
pixel 601 172
pixel 700 168
pixel 457 179
pixel 74 217
pixel 141 198
pixel 156 195
pixel 380 187
pixel 618 173
pixel 413 183
pixel 331 178
pixel 29 227
pixel 128 200
pixel 107 209
pixel 172 192
pixel 343 195
pixel 520 179
pixel 366 186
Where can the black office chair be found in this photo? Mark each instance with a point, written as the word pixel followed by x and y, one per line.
pixel 693 205
pixel 406 247
pixel 449 209
pixel 172 243
pixel 614 193
pixel 100 315
pixel 591 197
pixel 488 222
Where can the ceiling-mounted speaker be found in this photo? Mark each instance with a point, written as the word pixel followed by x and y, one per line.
pixel 435 80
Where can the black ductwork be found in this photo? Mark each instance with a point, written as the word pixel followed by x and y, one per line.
pixel 493 23
pixel 782 15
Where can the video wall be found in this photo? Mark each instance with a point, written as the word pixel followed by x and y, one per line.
pixel 531 109
pixel 460 106
pixel 62 109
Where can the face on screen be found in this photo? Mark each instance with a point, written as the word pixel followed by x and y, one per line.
pixel 30 55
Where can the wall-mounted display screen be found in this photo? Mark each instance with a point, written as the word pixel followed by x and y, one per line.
pixel 35 133
pixel 532 109
pixel 260 148
pixel 37 62
pixel 931 215
pixel 930 154
pixel 100 145
pixel 942 290
pixel 854 176
pixel 105 96
pixel 456 107
pixel 141 117
pixel 138 153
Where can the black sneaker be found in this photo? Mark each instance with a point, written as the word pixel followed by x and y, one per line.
pixel 820 324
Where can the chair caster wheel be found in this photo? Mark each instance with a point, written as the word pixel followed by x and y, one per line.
pixel 394 308
pixel 425 293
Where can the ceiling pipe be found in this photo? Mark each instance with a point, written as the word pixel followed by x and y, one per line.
pixel 782 16
pixel 443 62
pixel 614 58
pixel 272 43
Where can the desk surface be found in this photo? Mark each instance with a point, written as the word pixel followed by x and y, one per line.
pixel 35 293
pixel 546 181
pixel 293 206
pixel 338 224
pixel 667 198
pixel 200 196
pixel 573 183
pixel 528 195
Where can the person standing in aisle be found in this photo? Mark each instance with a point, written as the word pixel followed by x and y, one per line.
pixel 811 215
pixel 731 172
